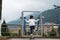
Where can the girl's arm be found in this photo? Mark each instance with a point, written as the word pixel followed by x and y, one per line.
pixel 26 20
pixel 37 20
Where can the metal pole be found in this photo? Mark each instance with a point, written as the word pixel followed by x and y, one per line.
pixel 41 26
pixel 22 23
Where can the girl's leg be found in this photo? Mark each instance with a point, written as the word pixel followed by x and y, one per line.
pixel 31 29
pixel 31 32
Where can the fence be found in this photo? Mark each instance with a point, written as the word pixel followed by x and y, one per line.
pixel 16 30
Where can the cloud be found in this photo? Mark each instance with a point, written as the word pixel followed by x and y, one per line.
pixel 11 9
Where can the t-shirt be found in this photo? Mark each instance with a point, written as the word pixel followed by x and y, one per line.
pixel 32 22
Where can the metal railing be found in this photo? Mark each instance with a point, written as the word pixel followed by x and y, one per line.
pixel 16 30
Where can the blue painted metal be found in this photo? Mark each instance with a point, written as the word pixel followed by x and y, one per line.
pixel 24 25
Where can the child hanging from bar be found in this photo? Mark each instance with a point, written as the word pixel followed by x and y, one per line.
pixel 32 24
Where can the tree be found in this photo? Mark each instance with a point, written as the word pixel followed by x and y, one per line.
pixel 4 29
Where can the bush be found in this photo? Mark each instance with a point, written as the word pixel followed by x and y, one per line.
pixel 4 29
pixel 53 33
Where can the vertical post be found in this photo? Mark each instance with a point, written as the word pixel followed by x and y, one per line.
pixel 41 25
pixel 0 15
pixel 24 26
pixel 22 23
pixel 0 27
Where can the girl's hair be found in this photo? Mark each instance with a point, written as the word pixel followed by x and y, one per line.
pixel 31 17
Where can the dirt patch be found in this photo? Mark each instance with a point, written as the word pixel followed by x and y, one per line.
pixel 3 37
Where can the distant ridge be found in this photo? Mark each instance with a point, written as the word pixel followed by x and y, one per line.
pixel 52 15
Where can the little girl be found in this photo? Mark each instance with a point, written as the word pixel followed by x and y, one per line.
pixel 32 24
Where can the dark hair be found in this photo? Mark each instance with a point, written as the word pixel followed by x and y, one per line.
pixel 31 16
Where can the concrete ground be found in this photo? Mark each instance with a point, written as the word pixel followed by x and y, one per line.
pixel 33 39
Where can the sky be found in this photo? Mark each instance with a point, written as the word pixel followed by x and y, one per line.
pixel 11 9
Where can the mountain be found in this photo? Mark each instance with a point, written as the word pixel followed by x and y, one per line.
pixel 16 23
pixel 52 15
pixel 19 21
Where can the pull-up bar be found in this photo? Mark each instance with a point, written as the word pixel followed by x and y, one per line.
pixel 23 21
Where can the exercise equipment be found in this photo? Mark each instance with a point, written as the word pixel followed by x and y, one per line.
pixel 24 26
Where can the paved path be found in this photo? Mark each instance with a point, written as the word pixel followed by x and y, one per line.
pixel 32 39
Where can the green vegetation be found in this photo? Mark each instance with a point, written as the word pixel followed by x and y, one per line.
pixel 19 32
pixel 4 29
pixel 52 16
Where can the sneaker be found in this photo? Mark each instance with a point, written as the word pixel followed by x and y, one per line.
pixel 31 36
